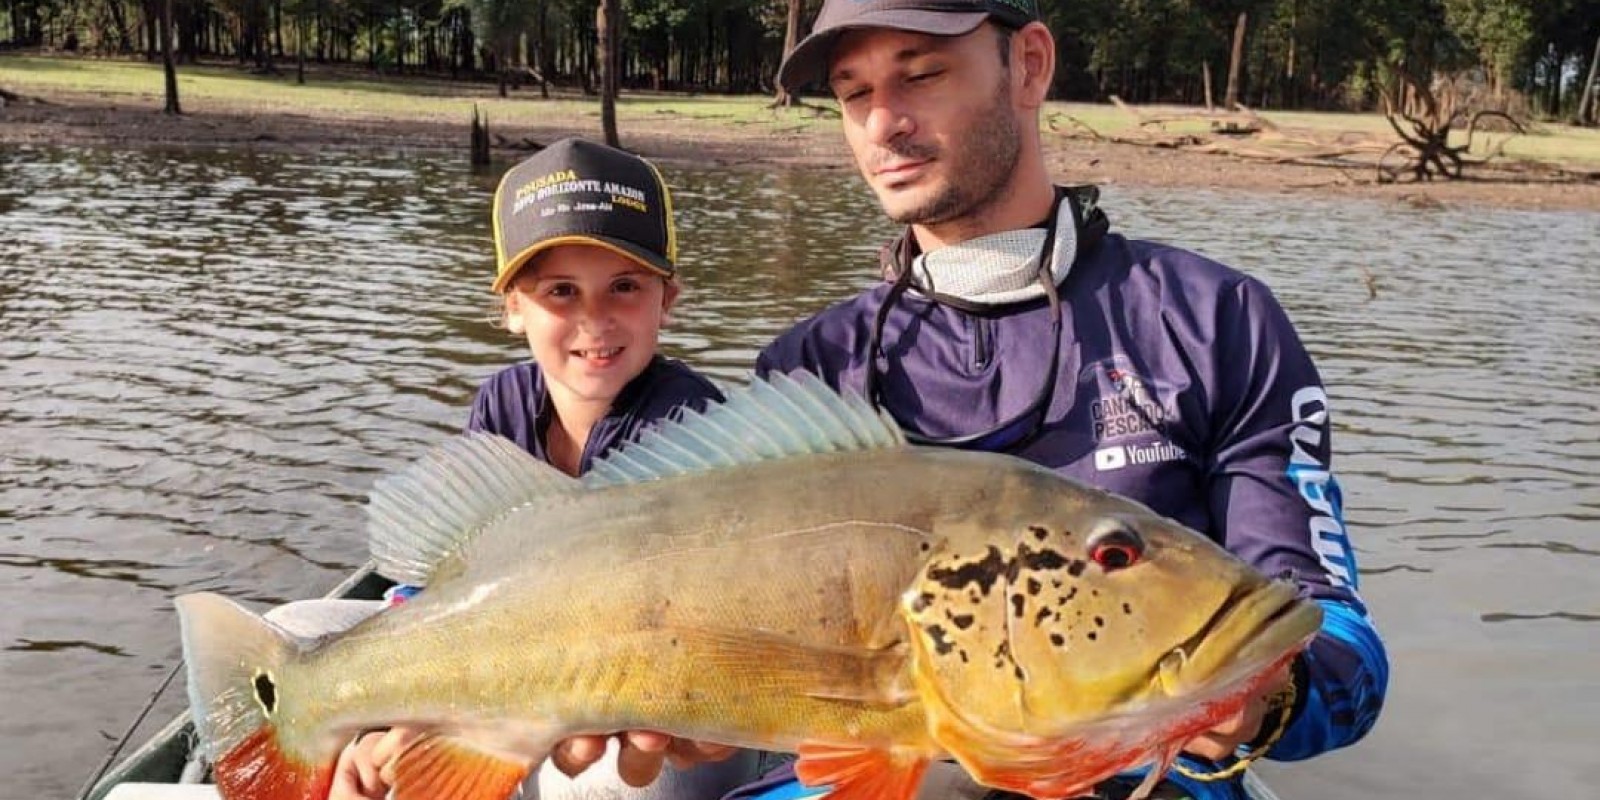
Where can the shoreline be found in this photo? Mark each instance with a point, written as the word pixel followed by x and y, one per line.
pixel 787 140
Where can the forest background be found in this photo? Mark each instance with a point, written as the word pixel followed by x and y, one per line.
pixel 1531 57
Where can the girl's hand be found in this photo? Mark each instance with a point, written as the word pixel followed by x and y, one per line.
pixel 641 757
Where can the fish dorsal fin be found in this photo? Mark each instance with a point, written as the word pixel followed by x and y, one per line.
pixel 770 419
pixel 420 518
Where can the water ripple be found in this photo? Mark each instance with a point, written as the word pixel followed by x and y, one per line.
pixel 209 357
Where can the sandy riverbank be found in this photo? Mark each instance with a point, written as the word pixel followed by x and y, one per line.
pixel 760 139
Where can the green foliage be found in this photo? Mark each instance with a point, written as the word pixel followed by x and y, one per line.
pixel 1298 53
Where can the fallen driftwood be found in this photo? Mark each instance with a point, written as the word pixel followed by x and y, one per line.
pixel 523 143
pixel 1244 134
pixel 12 98
pixel 1241 123
pixel 1432 107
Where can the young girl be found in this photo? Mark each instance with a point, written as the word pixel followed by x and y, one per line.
pixel 587 255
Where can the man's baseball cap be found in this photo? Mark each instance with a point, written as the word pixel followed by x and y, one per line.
pixel 808 61
pixel 580 192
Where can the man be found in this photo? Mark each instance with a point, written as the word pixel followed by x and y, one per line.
pixel 1012 320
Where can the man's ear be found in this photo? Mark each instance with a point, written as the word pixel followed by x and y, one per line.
pixel 669 296
pixel 1033 64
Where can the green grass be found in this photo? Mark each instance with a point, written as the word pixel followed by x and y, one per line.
pixel 353 91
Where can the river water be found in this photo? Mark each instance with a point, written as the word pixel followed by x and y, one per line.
pixel 207 358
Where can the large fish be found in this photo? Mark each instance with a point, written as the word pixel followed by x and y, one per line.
pixel 782 572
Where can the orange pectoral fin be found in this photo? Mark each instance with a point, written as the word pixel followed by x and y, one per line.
pixel 257 769
pixel 861 773
pixel 445 768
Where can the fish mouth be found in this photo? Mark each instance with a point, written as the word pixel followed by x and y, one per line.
pixel 1252 629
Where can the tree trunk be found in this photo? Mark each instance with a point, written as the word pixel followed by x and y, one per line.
pixel 399 39
pixel 546 59
pixel 167 64
pixel 608 35
pixel 299 48
pixel 120 23
pixel 1205 77
pixel 1588 103
pixel 152 30
pixel 1231 100
pixel 502 64
pixel 791 38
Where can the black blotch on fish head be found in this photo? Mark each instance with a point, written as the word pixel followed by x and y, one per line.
pixel 1002 654
pixel 1099 621
pixel 1057 639
pixel 921 603
pixel 1017 602
pixel 266 692
pixel 1039 618
pixel 1093 636
pixel 1127 609
pixel 1076 567
pixel 983 573
pixel 1034 586
pixel 1040 560
pixel 1038 533
pixel 941 644
pixel 962 621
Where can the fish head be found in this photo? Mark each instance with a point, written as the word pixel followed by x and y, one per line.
pixel 1065 626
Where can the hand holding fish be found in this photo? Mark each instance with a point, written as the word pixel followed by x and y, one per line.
pixel 1225 739
pixel 641 757
pixel 365 768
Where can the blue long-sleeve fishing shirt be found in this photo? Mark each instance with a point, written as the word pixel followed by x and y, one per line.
pixel 515 403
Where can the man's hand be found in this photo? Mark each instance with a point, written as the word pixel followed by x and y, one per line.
pixel 365 770
pixel 642 754
pixel 1222 741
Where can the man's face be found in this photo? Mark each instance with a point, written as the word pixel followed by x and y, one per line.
pixel 930 120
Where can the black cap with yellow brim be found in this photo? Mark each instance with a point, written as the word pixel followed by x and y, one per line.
pixel 581 192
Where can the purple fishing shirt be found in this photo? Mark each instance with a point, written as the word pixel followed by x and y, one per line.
pixel 1182 384
pixel 515 403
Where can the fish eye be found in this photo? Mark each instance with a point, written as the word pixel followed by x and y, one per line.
pixel 1115 548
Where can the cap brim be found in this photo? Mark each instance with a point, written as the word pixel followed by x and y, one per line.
pixel 628 250
pixel 808 62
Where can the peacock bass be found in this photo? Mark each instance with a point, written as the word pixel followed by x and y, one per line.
pixel 781 572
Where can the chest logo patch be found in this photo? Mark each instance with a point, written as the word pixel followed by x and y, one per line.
pixel 1127 406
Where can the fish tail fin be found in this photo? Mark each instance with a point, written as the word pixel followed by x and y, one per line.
pixel 861 773
pixel 234 661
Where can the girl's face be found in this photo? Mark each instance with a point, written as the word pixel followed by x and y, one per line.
pixel 592 319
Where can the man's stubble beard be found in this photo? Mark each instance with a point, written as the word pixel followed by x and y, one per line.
pixel 979 173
